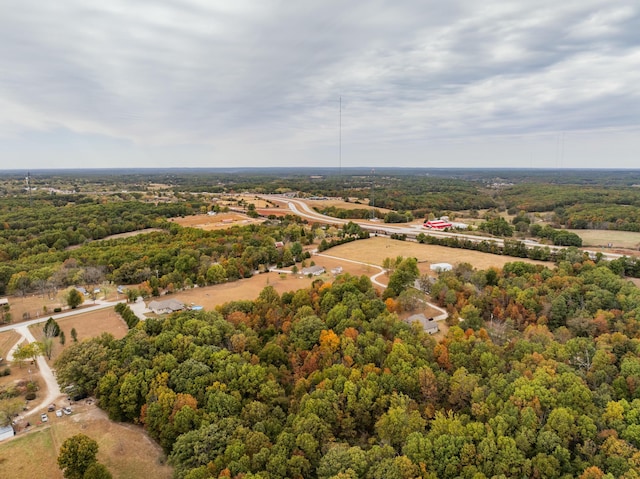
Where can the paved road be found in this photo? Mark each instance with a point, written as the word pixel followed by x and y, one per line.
pixel 301 208
pixel 53 390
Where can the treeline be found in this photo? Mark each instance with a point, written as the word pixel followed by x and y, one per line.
pixel 52 225
pixel 169 260
pixel 127 315
pixel 326 383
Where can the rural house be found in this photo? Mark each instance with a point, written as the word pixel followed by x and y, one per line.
pixel 166 306
pixel 313 270
pixel 428 324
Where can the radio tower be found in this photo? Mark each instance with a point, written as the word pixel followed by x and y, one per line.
pixel 28 180
pixel 372 202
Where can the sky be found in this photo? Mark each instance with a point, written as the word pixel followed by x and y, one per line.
pixel 407 83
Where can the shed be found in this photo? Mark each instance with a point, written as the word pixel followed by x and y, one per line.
pixel 440 267
pixel 6 432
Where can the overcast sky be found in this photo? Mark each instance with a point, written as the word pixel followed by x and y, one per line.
pixel 433 83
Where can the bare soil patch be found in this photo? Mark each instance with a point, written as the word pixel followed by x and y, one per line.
pixel 218 221
pixel 126 450
pixel 375 250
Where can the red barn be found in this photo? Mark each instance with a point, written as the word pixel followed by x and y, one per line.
pixel 437 224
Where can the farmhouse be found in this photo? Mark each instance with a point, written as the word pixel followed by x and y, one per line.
pixel 437 224
pixel 440 267
pixel 166 306
pixel 429 325
pixel 313 270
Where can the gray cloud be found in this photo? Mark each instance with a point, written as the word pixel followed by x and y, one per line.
pixel 247 80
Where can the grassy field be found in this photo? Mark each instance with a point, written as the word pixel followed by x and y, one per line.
pixel 88 325
pixel 7 340
pixel 124 449
pixel 619 239
pixel 375 250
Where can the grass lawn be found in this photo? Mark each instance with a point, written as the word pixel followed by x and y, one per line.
pixel 619 239
pixel 375 250
pixel 7 340
pixel 125 449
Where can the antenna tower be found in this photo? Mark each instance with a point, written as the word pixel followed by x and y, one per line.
pixel 28 180
pixel 372 202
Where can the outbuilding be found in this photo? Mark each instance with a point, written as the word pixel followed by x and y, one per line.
pixel 440 267
pixel 6 432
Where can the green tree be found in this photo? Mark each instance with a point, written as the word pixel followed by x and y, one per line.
pixel 402 278
pixel 74 335
pixel 74 298
pixel 77 454
pixel 97 471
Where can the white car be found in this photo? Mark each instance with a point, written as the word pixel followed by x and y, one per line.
pixel 59 413
pixel 66 410
pixel 44 417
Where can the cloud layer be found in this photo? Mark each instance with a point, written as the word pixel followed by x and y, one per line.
pixel 218 83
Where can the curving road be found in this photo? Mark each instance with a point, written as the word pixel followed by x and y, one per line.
pixel 302 209
pixel 48 376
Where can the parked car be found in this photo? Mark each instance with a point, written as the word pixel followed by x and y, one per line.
pixel 52 407
pixel 66 410
pixel 44 417
pixel 59 413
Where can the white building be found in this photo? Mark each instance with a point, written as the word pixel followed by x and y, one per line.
pixel 440 267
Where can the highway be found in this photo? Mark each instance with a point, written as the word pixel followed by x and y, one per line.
pixel 302 209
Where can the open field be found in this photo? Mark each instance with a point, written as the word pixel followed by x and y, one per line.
pixel 124 449
pixel 339 203
pixel 247 289
pixel 87 326
pixel 214 222
pixel 618 239
pixel 7 340
pixel 375 250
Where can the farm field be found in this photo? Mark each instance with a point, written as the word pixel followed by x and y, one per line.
pixel 375 250
pixel 124 449
pixel 214 222
pixel 618 239
pixel 339 203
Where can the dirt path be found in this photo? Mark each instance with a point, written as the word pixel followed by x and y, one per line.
pixel 374 279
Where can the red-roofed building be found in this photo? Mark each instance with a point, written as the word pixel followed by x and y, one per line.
pixel 437 224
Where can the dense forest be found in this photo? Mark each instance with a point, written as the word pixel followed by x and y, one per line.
pixel 541 379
